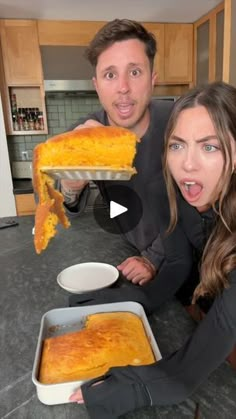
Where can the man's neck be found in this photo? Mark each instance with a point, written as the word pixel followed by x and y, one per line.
pixel 141 127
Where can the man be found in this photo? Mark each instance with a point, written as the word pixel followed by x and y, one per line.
pixel 122 54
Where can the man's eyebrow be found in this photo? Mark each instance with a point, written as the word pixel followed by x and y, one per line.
pixel 109 68
pixel 114 67
pixel 200 140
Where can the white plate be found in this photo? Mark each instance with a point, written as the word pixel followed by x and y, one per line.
pixel 86 277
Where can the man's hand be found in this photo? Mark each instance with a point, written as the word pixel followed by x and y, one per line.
pixel 89 124
pixel 137 270
pixel 71 189
pixel 73 186
pixel 77 396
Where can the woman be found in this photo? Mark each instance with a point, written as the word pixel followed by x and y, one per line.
pixel 199 231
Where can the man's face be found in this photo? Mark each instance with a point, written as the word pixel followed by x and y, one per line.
pixel 124 84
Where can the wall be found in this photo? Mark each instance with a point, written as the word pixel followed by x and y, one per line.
pixel 7 201
pixel 62 112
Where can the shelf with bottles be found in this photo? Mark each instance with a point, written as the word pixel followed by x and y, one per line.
pixel 27 110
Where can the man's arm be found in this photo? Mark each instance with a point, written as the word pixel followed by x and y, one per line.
pixel 142 269
pixel 76 194
pixel 155 253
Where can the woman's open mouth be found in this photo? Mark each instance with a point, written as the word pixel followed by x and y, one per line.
pixel 191 190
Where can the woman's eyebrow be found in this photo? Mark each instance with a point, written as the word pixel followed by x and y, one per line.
pixel 200 140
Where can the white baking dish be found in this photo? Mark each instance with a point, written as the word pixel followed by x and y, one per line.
pixel 66 318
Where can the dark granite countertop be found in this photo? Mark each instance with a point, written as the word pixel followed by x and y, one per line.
pixel 29 289
pixel 22 186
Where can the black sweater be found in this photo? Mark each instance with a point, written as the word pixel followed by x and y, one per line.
pixel 145 236
pixel 174 378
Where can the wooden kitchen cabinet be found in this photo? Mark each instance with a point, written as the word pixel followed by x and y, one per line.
pixel 23 76
pixel 21 53
pixel 178 67
pixel 174 58
pixel 173 62
pixel 158 31
pixel 67 32
pixel 208 46
pixel 25 204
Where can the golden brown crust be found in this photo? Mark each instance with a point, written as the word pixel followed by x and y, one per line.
pixel 96 147
pixel 108 339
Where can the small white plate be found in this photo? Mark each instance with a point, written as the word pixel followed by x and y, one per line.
pixel 86 277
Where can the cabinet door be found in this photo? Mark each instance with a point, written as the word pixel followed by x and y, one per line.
pixel 178 53
pixel 21 54
pixel 202 52
pixel 157 29
pixel 209 41
pixel 25 204
pixel 219 45
pixel 67 32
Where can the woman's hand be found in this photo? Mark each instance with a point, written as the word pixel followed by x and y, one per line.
pixel 77 395
pixel 137 270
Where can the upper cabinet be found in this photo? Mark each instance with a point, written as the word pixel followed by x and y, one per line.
pixel 208 50
pixel 174 58
pixel 67 32
pixel 23 85
pixel 158 30
pixel 21 54
pixel 178 53
pixel 173 62
pixel 24 97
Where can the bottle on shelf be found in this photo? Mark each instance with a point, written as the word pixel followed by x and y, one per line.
pixel 31 119
pixel 21 119
pixel 25 119
pixel 15 122
pixel 36 119
pixel 13 104
pixel 14 112
pixel 41 121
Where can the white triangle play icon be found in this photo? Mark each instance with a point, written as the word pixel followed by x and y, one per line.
pixel 116 209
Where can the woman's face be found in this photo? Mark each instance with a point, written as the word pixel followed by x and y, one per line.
pixel 195 159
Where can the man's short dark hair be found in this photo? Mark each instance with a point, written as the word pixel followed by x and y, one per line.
pixel 120 30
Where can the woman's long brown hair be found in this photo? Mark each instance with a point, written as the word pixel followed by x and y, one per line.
pixel 219 256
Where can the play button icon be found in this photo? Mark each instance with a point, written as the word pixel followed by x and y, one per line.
pixel 121 210
pixel 116 209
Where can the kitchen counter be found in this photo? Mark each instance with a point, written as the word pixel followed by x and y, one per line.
pixel 29 289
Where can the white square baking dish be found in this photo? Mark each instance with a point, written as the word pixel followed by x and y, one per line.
pixel 72 318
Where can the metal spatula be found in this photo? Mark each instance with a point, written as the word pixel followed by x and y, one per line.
pixel 89 172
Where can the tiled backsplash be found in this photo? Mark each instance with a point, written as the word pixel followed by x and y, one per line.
pixel 62 112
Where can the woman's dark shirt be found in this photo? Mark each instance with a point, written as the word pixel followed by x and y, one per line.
pixel 175 377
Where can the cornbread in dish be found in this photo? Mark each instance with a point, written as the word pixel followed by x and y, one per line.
pixel 104 148
pixel 108 339
pixel 73 319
